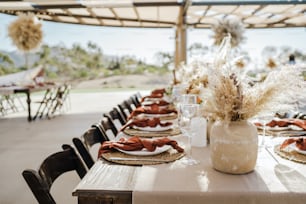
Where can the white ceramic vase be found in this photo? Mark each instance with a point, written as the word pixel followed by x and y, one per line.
pixel 233 146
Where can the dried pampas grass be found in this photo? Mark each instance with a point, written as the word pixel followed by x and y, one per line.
pixel 271 63
pixel 193 75
pixel 234 27
pixel 231 96
pixel 26 32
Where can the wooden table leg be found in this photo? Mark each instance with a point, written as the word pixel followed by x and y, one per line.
pixel 26 91
pixel 29 105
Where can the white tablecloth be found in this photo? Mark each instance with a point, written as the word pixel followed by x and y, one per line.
pixel 273 181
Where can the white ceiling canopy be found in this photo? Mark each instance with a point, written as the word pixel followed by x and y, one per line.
pixel 163 13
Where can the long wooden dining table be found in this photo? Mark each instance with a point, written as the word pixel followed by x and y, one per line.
pixel 274 180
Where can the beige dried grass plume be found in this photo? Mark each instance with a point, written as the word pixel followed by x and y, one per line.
pixel 26 32
pixel 234 27
pixel 231 96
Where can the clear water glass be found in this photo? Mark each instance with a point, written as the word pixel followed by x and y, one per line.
pixel 188 99
pixel 264 119
pixel 188 112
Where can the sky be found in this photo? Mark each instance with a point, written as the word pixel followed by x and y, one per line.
pixel 144 43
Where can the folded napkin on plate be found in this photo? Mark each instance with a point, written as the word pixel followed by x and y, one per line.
pixel 136 143
pixel 158 91
pixel 146 122
pixel 299 142
pixel 159 103
pixel 286 122
pixel 157 95
pixel 153 110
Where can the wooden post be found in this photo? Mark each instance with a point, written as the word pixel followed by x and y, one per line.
pixel 180 42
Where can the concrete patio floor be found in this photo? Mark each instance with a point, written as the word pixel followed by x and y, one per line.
pixel 25 144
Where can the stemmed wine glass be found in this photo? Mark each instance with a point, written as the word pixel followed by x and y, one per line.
pixel 188 112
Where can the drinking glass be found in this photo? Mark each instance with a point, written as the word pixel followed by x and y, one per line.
pixel 177 91
pixel 188 112
pixel 264 119
pixel 188 99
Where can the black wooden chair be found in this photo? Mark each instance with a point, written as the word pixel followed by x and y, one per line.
pixel 139 96
pixel 109 128
pixel 125 109
pixel 131 105
pixel 117 118
pixel 51 168
pixel 92 136
pixel 136 100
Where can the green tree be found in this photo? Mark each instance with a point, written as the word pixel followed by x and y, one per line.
pixel 6 64
pixel 197 49
pixel 164 58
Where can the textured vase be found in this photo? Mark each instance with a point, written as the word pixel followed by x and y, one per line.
pixel 233 146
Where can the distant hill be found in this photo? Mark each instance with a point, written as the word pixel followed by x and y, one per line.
pixel 19 57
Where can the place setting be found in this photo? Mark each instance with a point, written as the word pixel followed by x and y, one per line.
pixel 150 127
pixel 293 149
pixel 286 127
pixel 154 111
pixel 290 133
pixel 141 151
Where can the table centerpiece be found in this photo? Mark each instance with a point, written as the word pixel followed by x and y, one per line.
pixel 230 99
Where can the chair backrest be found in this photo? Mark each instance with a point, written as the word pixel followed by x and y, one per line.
pixel 124 109
pixel 51 168
pixel 116 116
pixel 109 128
pixel 130 104
pixel 83 144
pixel 136 101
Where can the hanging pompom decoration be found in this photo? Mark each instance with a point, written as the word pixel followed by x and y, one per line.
pixel 223 27
pixel 26 32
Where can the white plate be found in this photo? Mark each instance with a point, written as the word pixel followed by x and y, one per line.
pixel 145 152
pixel 157 115
pixel 152 99
pixel 158 128
pixel 275 128
pixel 295 148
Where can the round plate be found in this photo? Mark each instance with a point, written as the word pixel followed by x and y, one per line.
pixel 145 152
pixel 275 128
pixel 294 147
pixel 158 128
pixel 157 115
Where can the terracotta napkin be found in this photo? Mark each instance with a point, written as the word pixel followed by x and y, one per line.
pixel 159 103
pixel 157 95
pixel 136 143
pixel 299 142
pixel 153 110
pixel 286 122
pixel 146 122
pixel 158 91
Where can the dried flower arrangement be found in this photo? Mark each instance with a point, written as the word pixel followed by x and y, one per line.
pixel 225 26
pixel 26 32
pixel 192 75
pixel 231 97
pixel 271 63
